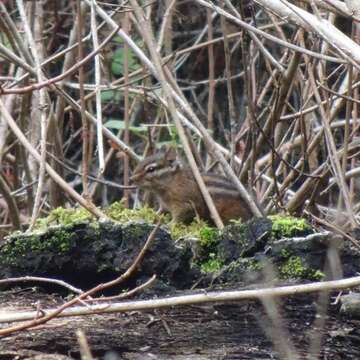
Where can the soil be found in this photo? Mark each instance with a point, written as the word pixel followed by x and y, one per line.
pixel 231 331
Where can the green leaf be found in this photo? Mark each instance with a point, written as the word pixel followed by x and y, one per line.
pixel 110 95
pixel 120 125
pixel 174 135
pixel 117 65
pixel 160 144
pixel 118 39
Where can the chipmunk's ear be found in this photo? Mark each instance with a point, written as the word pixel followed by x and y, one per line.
pixel 170 154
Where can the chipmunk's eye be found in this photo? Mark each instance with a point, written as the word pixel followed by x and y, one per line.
pixel 150 168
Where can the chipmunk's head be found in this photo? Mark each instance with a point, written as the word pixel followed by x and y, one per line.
pixel 156 171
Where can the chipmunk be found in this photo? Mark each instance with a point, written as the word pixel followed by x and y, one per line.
pixel 175 187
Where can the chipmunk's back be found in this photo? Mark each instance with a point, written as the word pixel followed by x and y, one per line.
pixel 226 198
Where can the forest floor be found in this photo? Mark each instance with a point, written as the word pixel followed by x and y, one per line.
pixel 232 331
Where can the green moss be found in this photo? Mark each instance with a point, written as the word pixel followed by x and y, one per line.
pixel 237 231
pixel 318 275
pixel 208 260
pixel 95 225
pixel 59 241
pixel 119 213
pixel 285 253
pixel 208 239
pixel 135 231
pixel 246 265
pixel 288 226
pixel 255 265
pixel 207 236
pixel 294 268
pixel 211 265
pixel 116 212
pixel 61 216
pixel 197 229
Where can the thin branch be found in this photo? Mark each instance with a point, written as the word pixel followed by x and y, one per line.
pixel 203 298
pixel 11 203
pixel 37 54
pixel 53 174
pixel 60 77
pixel 43 280
pixel 100 142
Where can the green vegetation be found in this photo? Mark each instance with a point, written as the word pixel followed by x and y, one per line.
pixel 245 265
pixel 255 265
pixel 285 253
pixel 61 216
pixel 288 226
pixel 208 238
pixel 294 268
pixel 213 264
pixel 237 231
pixel 120 125
pixel 198 229
pixel 116 212
pixel 117 64
pixel 58 241
pixel 119 213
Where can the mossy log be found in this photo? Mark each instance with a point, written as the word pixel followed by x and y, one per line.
pixel 72 246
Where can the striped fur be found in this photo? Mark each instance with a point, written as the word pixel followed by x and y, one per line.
pixel 178 192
